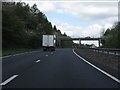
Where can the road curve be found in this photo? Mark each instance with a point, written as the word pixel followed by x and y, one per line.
pixel 59 69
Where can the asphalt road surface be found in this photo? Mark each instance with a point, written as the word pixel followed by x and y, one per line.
pixel 59 69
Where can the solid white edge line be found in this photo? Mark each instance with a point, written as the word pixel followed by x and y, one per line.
pixel 38 61
pixel 8 80
pixel 112 77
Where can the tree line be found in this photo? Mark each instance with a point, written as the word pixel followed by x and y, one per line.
pixel 112 37
pixel 23 26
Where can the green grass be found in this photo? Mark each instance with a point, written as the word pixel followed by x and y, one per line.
pixel 12 51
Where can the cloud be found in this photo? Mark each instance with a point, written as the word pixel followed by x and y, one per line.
pixel 100 15
pixel 81 10
pixel 108 26
pixel 47 6
pixel 94 30
pixel 70 30
pixel 44 6
pixel 90 10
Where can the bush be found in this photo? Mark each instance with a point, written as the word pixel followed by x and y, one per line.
pixel 34 42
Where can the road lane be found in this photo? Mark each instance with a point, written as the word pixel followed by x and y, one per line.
pixel 62 69
pixel 19 63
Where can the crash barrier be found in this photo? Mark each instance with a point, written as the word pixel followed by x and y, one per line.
pixel 112 51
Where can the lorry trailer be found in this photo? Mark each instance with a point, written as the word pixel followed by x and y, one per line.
pixel 48 42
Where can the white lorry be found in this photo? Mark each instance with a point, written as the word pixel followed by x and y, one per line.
pixel 48 42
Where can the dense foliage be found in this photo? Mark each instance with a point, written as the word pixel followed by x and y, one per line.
pixel 23 26
pixel 112 37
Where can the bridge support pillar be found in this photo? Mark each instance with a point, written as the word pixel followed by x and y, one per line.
pixel 79 42
pixel 99 41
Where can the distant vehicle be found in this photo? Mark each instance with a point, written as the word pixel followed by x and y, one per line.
pixel 48 42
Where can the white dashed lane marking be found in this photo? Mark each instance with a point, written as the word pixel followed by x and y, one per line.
pixel 8 80
pixel 38 61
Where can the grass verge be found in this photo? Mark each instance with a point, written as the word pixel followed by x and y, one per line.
pixel 109 63
pixel 12 51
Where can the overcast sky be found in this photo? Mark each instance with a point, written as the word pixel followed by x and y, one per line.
pixel 80 18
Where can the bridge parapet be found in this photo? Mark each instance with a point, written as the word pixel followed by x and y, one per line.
pixel 68 38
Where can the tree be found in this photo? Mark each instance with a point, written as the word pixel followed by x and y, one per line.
pixel 34 10
pixel 107 32
pixel 54 28
pixel 65 34
pixel 112 37
pixel 23 26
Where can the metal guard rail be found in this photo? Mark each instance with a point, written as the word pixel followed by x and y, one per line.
pixel 113 51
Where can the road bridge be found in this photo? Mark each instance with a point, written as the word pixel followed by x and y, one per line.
pixel 80 39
